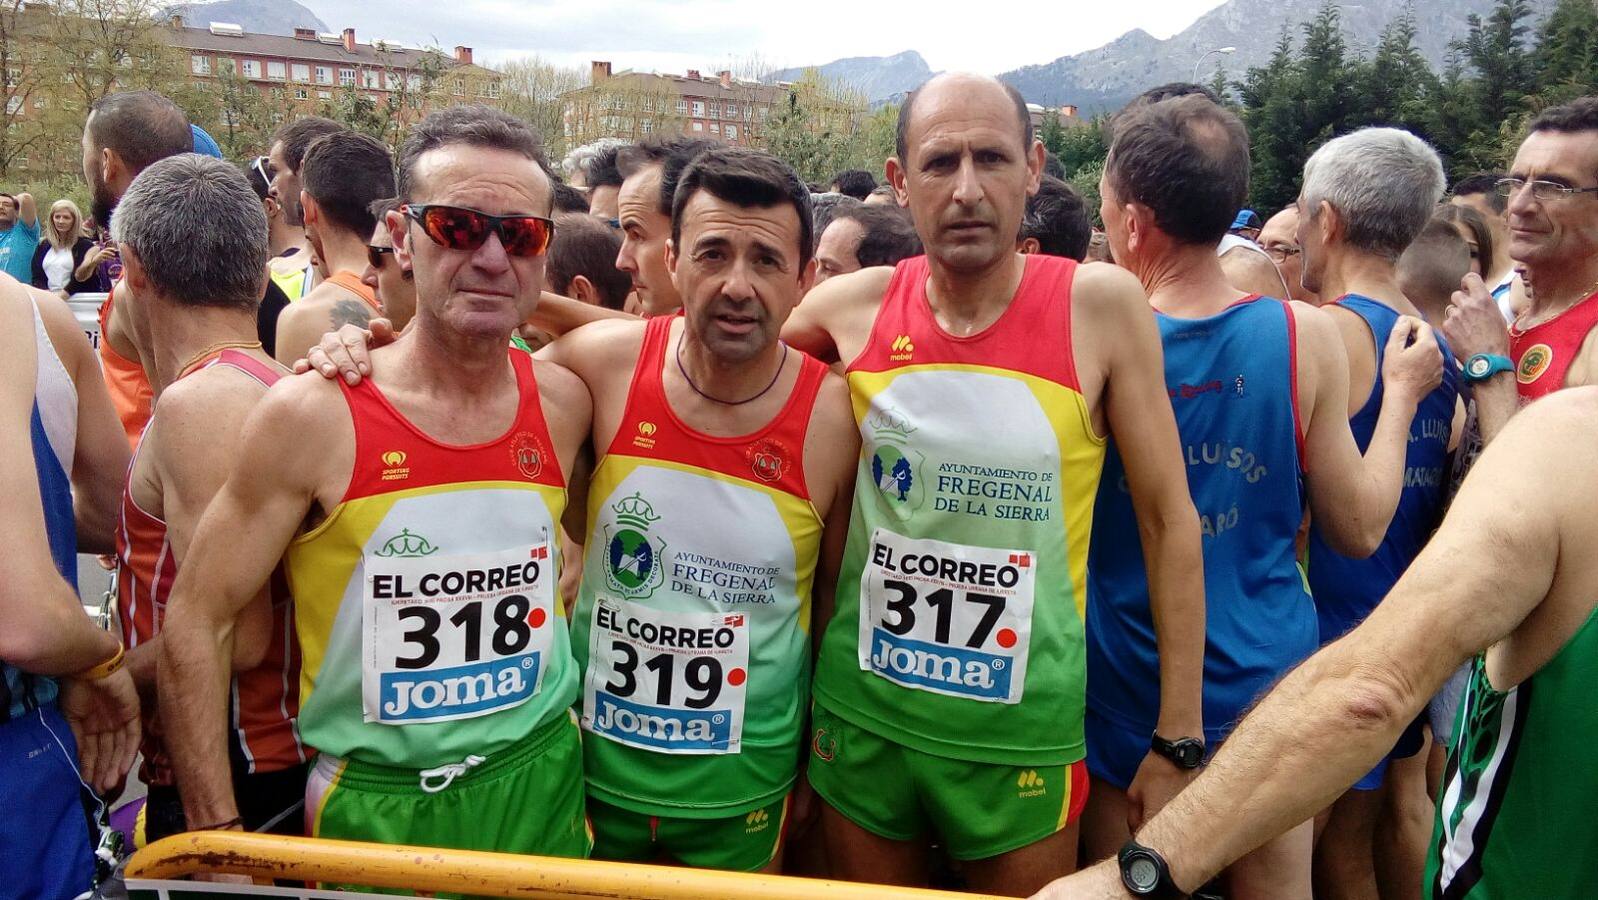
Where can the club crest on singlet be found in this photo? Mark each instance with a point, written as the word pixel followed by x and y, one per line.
pixel 633 559
pixel 895 463
pixel 1534 362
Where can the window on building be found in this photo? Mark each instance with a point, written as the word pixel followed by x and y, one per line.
pixel 13 105
pixel 762 113
pixel 699 126
pixel 732 132
pixel 715 128
pixel 302 72
pixel 276 71
pixel 393 80
pixel 324 95
pixel 460 87
pixel 648 126
pixel 301 94
pixel 38 103
pixel 732 110
pixel 494 89
pixel 682 107
pixel 202 85
pixel 227 66
pixel 346 77
pixel 414 82
pixel 200 64
pixel 252 68
pixel 699 108
pixel 324 75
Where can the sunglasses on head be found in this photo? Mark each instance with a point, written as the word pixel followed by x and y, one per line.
pixel 260 166
pixel 374 255
pixel 459 228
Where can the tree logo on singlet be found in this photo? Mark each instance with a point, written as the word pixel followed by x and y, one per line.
pixel 406 544
pixel 895 465
pixel 1534 363
pixel 632 561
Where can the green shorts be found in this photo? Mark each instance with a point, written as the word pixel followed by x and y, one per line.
pixel 526 798
pixel 746 842
pixel 977 809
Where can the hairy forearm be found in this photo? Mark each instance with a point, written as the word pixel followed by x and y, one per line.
pixel 1321 728
pixel 195 663
pixel 143 662
pixel 1173 556
pixel 1496 402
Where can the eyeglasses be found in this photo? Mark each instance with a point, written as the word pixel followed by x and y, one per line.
pixel 1280 252
pixel 459 228
pixel 1542 190
pixel 260 166
pixel 374 255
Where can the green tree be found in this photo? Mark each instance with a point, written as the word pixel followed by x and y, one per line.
pixel 1496 50
pixel 1394 87
pixel 1566 57
pixel 1273 111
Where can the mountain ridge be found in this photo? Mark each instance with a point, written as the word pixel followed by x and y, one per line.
pixel 257 16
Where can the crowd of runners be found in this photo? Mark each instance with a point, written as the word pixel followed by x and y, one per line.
pixel 656 508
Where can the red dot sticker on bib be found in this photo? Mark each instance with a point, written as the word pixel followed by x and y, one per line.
pixel 536 618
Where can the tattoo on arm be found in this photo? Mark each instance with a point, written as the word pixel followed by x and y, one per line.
pixel 350 312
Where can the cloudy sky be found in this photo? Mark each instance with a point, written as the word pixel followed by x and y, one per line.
pixel 673 35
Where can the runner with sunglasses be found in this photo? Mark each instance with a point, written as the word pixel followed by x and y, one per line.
pixel 415 516
pixel 718 508
pixel 343 175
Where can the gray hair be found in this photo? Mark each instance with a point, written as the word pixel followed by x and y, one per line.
pixel 581 159
pixel 475 125
pixel 198 230
pixel 1384 182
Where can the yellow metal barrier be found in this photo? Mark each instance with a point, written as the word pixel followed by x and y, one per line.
pixel 429 869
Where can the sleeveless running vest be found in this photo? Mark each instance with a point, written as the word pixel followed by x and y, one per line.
pixel 1543 353
pixel 264 700
pixel 130 390
pixel 425 601
pixel 958 629
pixel 53 432
pixel 1233 383
pixel 351 281
pixel 1515 817
pixel 1346 590
pixel 692 624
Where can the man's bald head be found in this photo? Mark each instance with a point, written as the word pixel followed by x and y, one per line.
pixel 964 82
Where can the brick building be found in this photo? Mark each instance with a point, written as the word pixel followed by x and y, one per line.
pixel 632 105
pixel 310 67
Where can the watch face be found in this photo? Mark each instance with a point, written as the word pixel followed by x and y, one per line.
pixel 1143 874
pixel 1478 366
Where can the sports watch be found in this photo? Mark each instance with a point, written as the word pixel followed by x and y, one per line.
pixel 1144 873
pixel 1186 753
pixel 1483 366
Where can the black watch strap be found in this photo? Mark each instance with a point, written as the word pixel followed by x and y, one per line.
pixel 1185 752
pixel 1144 873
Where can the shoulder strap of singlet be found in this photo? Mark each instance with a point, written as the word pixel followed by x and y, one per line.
pixel 646 391
pixel 905 285
pixel 351 282
pixel 245 363
pixel 1292 382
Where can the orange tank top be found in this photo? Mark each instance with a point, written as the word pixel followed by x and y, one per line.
pixel 351 282
pixel 265 700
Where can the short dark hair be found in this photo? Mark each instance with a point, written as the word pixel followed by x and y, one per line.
pixel 473 125
pixel 380 209
pixel 746 178
pixel 1436 260
pixel 344 173
pixel 1453 214
pixel 1170 90
pixel 1484 184
pixel 1057 218
pixel 141 126
pixel 827 206
pixel 1580 114
pixel 298 136
pixel 585 246
pixel 603 170
pixel 901 131
pixel 1052 165
pixel 565 198
pixel 1186 159
pixel 672 154
pixel 856 183
pixel 887 234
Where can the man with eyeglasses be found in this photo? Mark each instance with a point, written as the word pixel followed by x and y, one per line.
pixel 1552 194
pixel 1279 239
pixel 415 516
pixel 343 175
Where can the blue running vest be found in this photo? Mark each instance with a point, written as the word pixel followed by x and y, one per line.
pixel 1346 590
pixel 1232 378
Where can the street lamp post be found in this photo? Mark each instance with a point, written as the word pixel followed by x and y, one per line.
pixel 1223 51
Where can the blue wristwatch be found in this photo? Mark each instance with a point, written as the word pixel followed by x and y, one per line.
pixel 1483 366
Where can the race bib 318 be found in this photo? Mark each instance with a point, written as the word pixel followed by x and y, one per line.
pixel 452 637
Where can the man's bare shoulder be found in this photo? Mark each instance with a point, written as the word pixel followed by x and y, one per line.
pixel 560 385
pixel 213 394
pixel 338 304
pixel 611 337
pixel 850 291
pixel 1107 290
pixel 307 400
